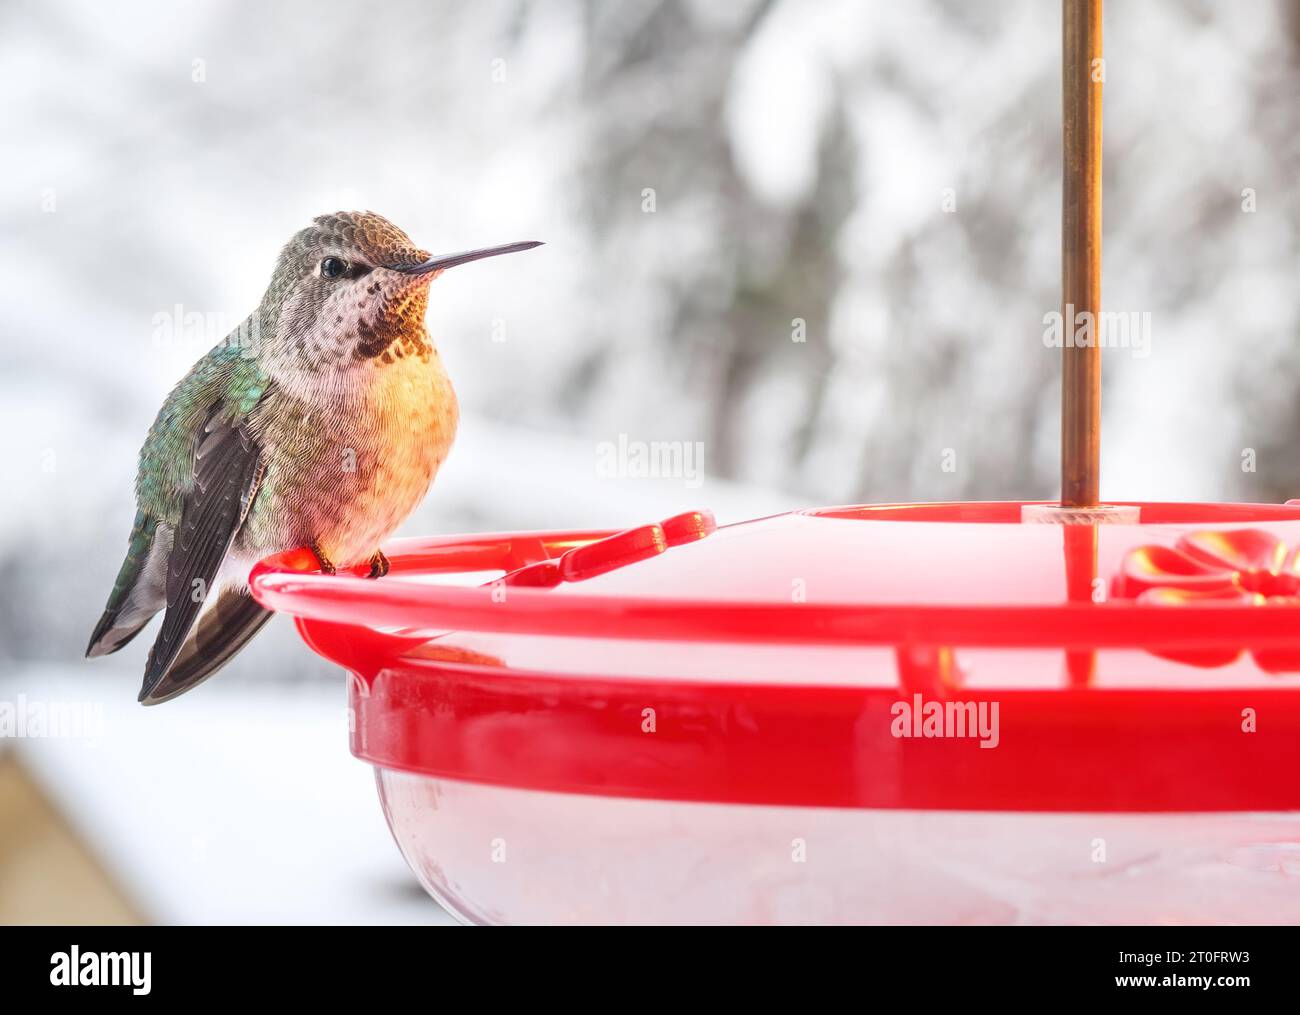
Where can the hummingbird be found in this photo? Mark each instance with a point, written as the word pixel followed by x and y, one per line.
pixel 320 421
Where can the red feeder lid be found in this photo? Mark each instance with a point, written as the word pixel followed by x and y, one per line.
pixel 942 656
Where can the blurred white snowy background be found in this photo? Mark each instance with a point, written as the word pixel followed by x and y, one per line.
pixel 886 172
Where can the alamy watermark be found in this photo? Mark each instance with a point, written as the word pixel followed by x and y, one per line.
pixel 946 720
pixel 1110 329
pixel 75 968
pixel 29 719
pixel 201 330
pixel 629 459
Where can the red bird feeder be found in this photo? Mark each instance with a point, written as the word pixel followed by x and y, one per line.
pixel 967 712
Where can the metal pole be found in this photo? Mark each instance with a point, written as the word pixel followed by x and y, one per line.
pixel 1083 73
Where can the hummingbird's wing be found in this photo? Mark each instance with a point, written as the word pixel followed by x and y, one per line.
pixel 227 469
pixel 222 631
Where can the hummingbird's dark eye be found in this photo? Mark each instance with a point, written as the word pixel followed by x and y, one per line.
pixel 333 267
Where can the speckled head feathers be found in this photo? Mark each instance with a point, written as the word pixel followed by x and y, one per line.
pixel 336 302
pixel 350 293
pixel 360 236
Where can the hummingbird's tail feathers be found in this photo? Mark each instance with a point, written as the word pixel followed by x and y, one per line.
pixel 139 591
pixel 221 632
pixel 226 473
pixel 109 636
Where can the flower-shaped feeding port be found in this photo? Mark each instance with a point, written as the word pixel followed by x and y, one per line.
pixel 1248 566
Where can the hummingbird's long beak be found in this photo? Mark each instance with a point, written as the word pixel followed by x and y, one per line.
pixel 451 260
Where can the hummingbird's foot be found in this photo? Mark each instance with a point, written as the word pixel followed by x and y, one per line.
pixel 326 565
pixel 378 565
